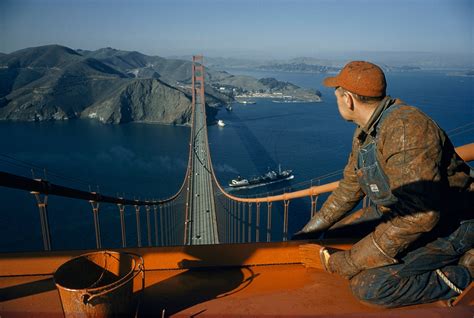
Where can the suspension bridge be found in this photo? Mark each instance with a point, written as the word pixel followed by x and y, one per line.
pixel 192 230
pixel 201 212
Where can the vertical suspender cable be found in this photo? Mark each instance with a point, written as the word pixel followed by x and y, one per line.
pixel 285 220
pixel 257 223
pixel 239 220
pixel 43 212
pixel 175 225
pixel 170 224
pixel 165 224
pixel 229 221
pixel 161 226
pixel 95 211
pixel 269 221
pixel 228 216
pixel 234 219
pixel 139 231
pixel 155 215
pixel 122 224
pixel 148 225
pixel 244 223
pixel 249 229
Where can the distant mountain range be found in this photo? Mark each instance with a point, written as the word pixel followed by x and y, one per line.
pixel 54 82
pixel 389 61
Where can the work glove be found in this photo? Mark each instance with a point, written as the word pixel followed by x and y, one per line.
pixel 340 263
pixel 363 255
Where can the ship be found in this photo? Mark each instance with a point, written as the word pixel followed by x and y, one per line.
pixel 270 177
pixel 220 123
pixel 246 102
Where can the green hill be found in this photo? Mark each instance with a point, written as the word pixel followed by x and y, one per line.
pixel 54 82
pixel 57 83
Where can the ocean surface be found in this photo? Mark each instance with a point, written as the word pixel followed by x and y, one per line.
pixel 146 161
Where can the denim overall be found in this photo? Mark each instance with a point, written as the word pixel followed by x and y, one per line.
pixel 414 279
pixel 371 177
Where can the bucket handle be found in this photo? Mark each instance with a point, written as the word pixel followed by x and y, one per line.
pixel 88 297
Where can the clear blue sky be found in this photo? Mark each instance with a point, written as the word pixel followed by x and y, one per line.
pixel 229 27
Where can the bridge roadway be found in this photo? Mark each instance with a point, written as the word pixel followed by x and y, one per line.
pixel 203 228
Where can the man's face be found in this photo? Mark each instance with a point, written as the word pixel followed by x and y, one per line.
pixel 342 105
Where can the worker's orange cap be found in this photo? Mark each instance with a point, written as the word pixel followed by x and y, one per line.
pixel 360 77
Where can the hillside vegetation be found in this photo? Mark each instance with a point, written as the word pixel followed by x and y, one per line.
pixel 54 82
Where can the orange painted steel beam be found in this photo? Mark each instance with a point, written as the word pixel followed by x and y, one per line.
pixel 315 190
pixel 467 296
pixel 177 257
pixel 287 290
pixel 256 291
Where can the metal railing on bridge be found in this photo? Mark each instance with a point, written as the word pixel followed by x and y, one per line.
pixel 166 228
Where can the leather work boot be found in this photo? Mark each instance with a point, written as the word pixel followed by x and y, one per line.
pixel 467 260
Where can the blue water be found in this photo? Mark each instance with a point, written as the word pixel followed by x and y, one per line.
pixel 148 161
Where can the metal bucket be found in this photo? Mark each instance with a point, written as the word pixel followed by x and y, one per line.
pixel 99 284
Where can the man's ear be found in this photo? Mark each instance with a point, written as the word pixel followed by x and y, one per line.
pixel 349 99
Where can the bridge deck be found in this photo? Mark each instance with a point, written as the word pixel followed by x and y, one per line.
pixel 264 279
pixel 203 214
